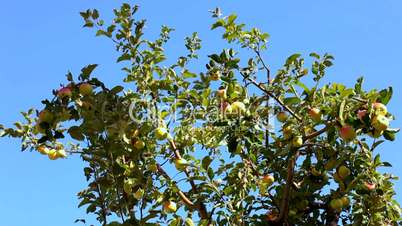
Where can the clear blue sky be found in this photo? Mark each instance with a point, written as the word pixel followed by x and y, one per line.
pixel 40 40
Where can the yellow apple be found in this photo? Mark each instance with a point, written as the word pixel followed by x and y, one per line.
pixel 61 153
pixel 238 107
pixel 380 122
pixel 343 172
pixel 379 109
pixel 287 132
pixel 180 164
pixel 268 180
pixel 42 149
pixel 345 201
pixel 282 116
pixel 52 154
pixel 169 207
pixel 315 114
pixel 153 167
pixel 85 89
pixel 139 193
pixel 297 141
pixel 347 132
pixel 161 133
pixel 139 144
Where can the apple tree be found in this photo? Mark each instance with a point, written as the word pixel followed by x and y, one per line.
pixel 184 146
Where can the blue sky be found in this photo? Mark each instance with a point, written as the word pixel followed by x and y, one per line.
pixel 42 40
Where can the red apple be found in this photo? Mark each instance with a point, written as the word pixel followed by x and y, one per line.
pixel 369 186
pixel 86 89
pixel 64 92
pixel 42 149
pixel 268 180
pixel 282 116
pixel 169 207
pixel 361 114
pixel 347 133
pixel 315 114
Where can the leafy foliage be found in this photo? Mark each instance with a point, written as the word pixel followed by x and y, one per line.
pixel 214 128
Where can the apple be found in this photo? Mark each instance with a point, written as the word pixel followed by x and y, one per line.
pixel 42 149
pixel 153 167
pixel 221 93
pixel 343 172
pixel 375 133
pixel 85 89
pixel 369 186
pixel 139 193
pixel 297 141
pixel 45 116
pixel 361 114
pixel 52 154
pixel 282 116
pixel 161 133
pixel 127 187
pixel 379 109
pixel 180 164
pixel 380 122
pixel 315 114
pixel 61 153
pixel 238 107
pixel 64 92
pixel 268 180
pixel 287 132
pixel 347 132
pixel 139 144
pixel 345 201
pixel 336 204
pixel 169 207
pixel 215 75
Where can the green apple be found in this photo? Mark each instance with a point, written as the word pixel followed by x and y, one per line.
pixel 347 132
pixel 345 201
pixel 297 141
pixel 315 114
pixel 336 204
pixel 268 180
pixel 52 154
pixel 45 116
pixel 127 187
pixel 238 107
pixel 139 144
pixel 379 109
pixel 343 172
pixel 85 89
pixel 161 133
pixel 282 116
pixel 169 207
pixel 180 164
pixel 139 194
pixel 64 92
pixel 380 122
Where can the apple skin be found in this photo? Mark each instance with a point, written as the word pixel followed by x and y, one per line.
pixel 297 141
pixel 161 133
pixel 52 154
pixel 45 116
pixel 267 180
pixel 379 109
pixel 343 172
pixel 139 144
pixel 64 92
pixel 336 204
pixel 347 133
pixel 43 149
pixel 238 107
pixel 169 207
pixel 85 89
pixel 282 116
pixel 369 186
pixel 315 114
pixel 345 201
pixel 61 153
pixel 361 114
pixel 180 164
pixel 380 122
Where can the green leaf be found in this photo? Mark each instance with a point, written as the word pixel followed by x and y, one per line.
pixel 188 74
pixel 206 161
pixel 86 71
pixel 124 57
pixel 291 100
pixel 218 23
pixel 386 95
pixel 117 89
pixel 389 135
pixel 76 133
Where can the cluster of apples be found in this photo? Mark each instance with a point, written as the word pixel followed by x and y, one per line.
pixel 53 154
pixel 339 203
pixel 85 89
pixel 377 117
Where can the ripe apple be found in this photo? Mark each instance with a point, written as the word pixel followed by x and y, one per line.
pixel 336 204
pixel 379 109
pixel 369 186
pixel 287 132
pixel 345 201
pixel 169 207
pixel 361 114
pixel 61 153
pixel 315 114
pixel 215 75
pixel 45 116
pixel 268 180
pixel 64 92
pixel 139 144
pixel 297 141
pixel 221 93
pixel 380 122
pixel 52 154
pixel 139 193
pixel 282 116
pixel 161 133
pixel 180 164
pixel 343 172
pixel 85 89
pixel 238 107
pixel 347 132
pixel 43 149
